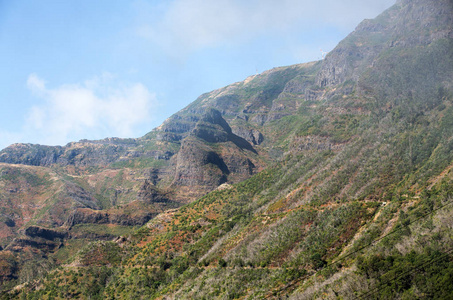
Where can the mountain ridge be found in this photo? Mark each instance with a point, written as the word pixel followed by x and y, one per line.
pixel 321 180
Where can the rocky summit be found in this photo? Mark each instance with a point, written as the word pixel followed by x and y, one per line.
pixel 325 180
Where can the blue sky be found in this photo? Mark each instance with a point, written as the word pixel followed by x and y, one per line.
pixel 72 70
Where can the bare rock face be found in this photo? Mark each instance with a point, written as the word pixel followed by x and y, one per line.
pixel 252 136
pixel 176 128
pixel 79 195
pixel 412 24
pixel 239 165
pixel 314 95
pixel 198 165
pixel 149 193
pixel 85 153
pixel 88 216
pixel 35 155
pixel 212 127
pixel 298 85
pixel 48 234
pixel 19 244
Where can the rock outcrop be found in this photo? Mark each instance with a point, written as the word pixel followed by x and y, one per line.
pixel 88 216
pixel 149 193
pixel 199 164
pixel 407 24
pixel 77 154
pixel 253 136
pixel 46 233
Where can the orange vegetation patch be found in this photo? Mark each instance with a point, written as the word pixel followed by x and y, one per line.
pixel 101 176
pixel 5 231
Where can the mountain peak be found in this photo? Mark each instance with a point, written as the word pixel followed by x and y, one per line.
pixel 406 24
pixel 320 160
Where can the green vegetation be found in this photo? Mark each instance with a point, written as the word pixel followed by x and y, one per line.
pixel 16 175
pixel 102 229
pixel 355 201
pixel 140 163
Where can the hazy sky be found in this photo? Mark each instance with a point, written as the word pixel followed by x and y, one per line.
pixel 93 69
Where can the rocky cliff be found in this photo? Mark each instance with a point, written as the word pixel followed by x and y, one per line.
pixel 328 179
pixel 408 24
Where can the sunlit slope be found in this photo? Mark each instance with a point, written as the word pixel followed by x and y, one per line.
pixel 349 193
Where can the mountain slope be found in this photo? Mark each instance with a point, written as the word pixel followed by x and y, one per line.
pixel 191 154
pixel 350 185
pixel 107 187
pixel 244 107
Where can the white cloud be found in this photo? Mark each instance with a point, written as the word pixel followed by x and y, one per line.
pixel 35 84
pixel 189 25
pixel 97 108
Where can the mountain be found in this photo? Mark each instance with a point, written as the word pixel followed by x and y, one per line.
pixel 330 179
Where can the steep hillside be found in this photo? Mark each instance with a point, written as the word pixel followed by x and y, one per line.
pixel 225 124
pixel 323 180
pixel 123 183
